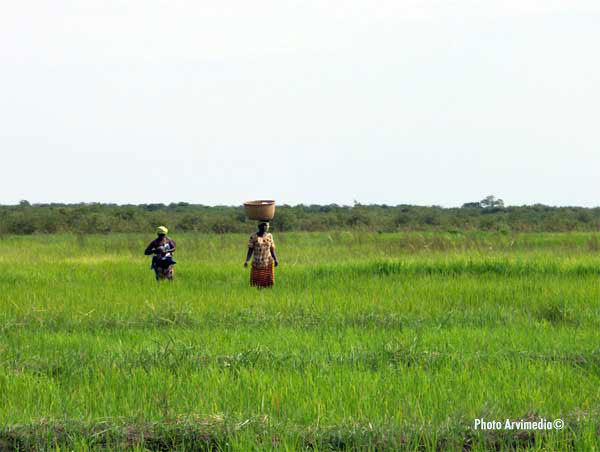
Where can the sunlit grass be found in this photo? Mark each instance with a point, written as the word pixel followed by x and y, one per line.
pixel 367 340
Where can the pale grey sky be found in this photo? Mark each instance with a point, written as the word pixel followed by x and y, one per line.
pixel 421 102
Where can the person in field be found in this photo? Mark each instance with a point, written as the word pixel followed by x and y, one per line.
pixel 262 247
pixel 162 249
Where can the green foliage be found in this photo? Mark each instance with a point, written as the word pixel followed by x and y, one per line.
pixel 368 341
pixel 488 215
pixel 491 202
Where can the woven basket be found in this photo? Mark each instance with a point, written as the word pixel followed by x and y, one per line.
pixel 262 210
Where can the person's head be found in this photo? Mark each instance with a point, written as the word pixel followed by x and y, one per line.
pixel 263 227
pixel 161 231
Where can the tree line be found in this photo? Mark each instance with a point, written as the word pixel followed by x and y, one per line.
pixel 488 214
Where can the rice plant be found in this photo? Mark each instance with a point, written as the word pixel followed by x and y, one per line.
pixel 367 342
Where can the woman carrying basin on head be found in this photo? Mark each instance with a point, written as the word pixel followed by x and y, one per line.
pixel 262 247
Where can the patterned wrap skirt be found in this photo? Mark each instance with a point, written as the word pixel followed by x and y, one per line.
pixel 262 277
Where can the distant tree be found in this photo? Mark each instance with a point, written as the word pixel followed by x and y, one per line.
pixel 24 203
pixel 584 216
pixel 284 220
pixel 491 202
pixel 431 219
pixel 471 205
pixel 358 219
pixel 402 219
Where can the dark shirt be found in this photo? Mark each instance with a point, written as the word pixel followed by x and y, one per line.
pixel 158 242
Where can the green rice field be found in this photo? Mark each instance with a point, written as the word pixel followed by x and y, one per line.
pixel 367 342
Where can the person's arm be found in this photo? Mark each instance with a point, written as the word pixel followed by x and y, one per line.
pixel 172 246
pixel 250 250
pixel 273 255
pixel 149 249
pixel 248 256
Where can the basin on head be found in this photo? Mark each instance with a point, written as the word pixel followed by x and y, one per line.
pixel 261 210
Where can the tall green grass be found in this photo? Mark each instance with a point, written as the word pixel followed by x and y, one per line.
pixel 367 341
